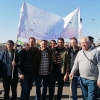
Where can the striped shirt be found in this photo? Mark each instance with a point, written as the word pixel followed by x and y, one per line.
pixel 44 66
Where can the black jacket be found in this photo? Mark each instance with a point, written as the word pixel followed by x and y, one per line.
pixel 73 55
pixel 28 65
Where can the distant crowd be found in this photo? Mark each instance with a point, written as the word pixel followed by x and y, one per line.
pixel 77 62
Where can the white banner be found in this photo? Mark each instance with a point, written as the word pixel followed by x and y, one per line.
pixel 44 25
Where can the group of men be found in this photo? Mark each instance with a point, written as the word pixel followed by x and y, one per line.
pixel 48 64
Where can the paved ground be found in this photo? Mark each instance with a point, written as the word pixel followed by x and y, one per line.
pixel 64 96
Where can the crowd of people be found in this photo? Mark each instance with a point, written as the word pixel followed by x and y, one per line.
pixel 47 64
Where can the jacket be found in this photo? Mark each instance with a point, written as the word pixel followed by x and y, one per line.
pixel 73 55
pixel 3 65
pixel 64 60
pixel 23 65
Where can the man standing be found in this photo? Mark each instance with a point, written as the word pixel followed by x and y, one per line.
pixel 73 52
pixel 59 68
pixel 8 69
pixel 43 70
pixel 28 60
pixel 88 63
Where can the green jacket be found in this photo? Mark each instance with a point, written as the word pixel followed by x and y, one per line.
pixel 64 60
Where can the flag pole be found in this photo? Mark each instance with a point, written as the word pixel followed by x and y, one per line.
pixel 14 56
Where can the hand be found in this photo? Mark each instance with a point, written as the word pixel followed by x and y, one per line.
pixel 98 83
pixel 21 76
pixel 71 76
pixel 65 78
pixel 14 63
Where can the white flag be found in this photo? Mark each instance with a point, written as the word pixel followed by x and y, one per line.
pixel 80 26
pixel 44 25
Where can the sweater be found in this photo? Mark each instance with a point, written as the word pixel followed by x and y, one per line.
pixel 88 69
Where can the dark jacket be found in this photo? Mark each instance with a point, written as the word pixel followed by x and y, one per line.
pixel 28 65
pixel 64 60
pixel 49 59
pixel 73 55
pixel 3 64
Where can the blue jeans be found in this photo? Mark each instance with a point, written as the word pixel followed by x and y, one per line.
pixel 26 85
pixel 75 81
pixel 44 79
pixel 89 88
pixel 53 79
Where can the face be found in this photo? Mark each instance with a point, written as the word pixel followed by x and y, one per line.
pixel 43 45
pixel 60 44
pixel 25 47
pixel 31 43
pixel 9 46
pixel 85 45
pixel 74 43
pixel 52 44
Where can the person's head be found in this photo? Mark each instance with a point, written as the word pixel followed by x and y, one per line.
pixel 73 43
pixel 91 39
pixel 52 43
pixel 31 42
pixel 9 45
pixel 25 46
pixel 85 43
pixel 60 43
pixel 43 44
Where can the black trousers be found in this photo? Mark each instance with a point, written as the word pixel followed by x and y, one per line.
pixel 7 83
pixel 53 79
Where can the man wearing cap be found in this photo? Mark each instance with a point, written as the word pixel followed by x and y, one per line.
pixel 8 69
